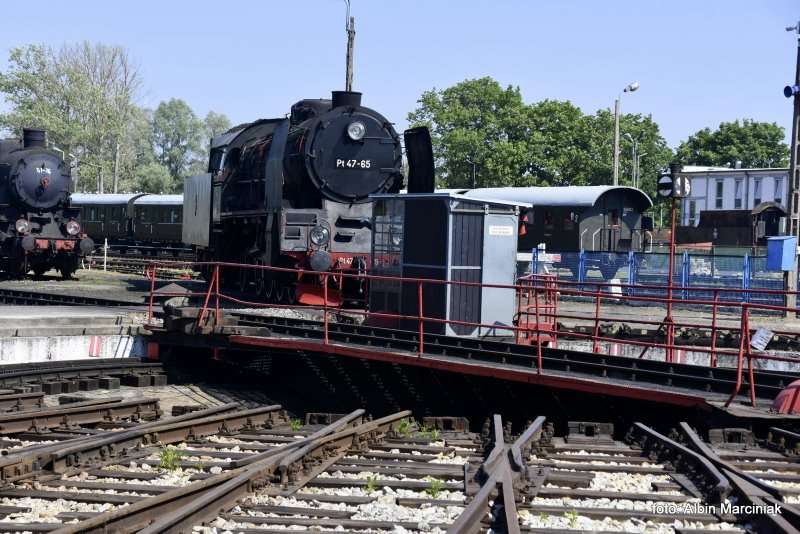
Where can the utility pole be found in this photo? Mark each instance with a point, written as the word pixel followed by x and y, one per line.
pixel 116 166
pixel 794 145
pixel 350 27
pixel 794 170
pixel 616 141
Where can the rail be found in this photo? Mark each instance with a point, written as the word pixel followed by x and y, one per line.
pixel 499 473
pixel 179 509
pixel 540 313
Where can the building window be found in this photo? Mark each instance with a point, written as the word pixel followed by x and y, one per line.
pixel 778 190
pixel 737 194
pixel 756 192
pixel 692 212
pixel 720 189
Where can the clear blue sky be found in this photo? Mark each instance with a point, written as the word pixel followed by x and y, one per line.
pixel 699 62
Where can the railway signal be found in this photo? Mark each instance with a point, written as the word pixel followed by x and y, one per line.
pixel 674 186
pixel 665 185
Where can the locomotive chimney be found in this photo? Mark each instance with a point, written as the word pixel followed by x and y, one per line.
pixel 34 138
pixel 345 98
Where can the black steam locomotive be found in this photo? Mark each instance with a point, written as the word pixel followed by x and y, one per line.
pixel 38 231
pixel 294 192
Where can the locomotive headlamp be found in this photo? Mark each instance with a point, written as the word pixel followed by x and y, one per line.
pixel 22 226
pixel 319 235
pixel 72 227
pixel 356 130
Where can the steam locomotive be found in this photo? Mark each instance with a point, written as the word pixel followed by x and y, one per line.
pixel 295 192
pixel 38 229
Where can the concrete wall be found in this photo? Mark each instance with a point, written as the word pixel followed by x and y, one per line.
pixel 37 349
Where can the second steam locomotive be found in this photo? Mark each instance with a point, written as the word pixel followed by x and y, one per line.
pixel 38 229
pixel 295 192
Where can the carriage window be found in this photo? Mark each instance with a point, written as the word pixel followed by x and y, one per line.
pixel 720 189
pixel 692 212
pixel 737 194
pixel 92 214
pixel 756 192
pixel 614 217
pixel 548 218
pixel 173 215
pixel 778 190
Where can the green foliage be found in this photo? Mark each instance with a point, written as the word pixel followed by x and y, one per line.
pixel 169 458
pixel 372 483
pixel 85 95
pixel 550 142
pixel 572 517
pixel 755 144
pixel 405 427
pixel 177 136
pixel 429 432
pixel 435 487
pixel 154 178
pixel 295 424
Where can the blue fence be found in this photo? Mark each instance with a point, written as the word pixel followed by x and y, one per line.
pixel 690 270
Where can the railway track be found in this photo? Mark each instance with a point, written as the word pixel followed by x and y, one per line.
pixel 170 267
pixel 225 468
pixel 37 298
pixel 720 380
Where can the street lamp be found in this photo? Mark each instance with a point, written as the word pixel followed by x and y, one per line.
pixel 634 146
pixel 634 158
pixel 631 87
pixel 474 181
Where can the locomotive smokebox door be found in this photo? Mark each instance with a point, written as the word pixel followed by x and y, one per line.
pixel 452 238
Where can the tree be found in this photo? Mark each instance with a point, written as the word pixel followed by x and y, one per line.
pixel 755 144
pixel 550 142
pixel 476 121
pixel 154 178
pixel 83 95
pixel 177 136
pixel 651 145
pixel 215 124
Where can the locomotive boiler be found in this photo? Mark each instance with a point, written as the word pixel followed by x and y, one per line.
pixel 38 229
pixel 295 192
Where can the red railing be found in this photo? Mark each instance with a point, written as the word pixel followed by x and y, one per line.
pixel 541 307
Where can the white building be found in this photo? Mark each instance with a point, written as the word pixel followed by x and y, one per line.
pixel 722 188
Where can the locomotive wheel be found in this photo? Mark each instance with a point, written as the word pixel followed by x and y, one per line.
pixel 244 280
pixel 269 292
pixel 66 271
pixel 260 279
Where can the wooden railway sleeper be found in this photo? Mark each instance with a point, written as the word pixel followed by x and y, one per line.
pixel 200 502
